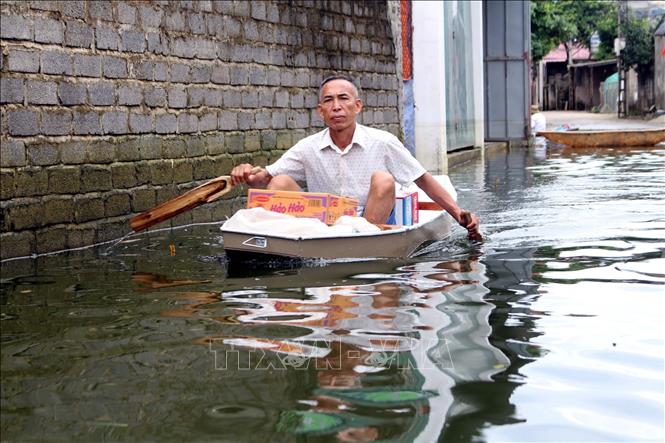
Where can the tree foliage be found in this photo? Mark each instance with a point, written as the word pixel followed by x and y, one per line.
pixel 546 25
pixel 639 51
pixel 639 35
pixel 566 21
pixel 607 32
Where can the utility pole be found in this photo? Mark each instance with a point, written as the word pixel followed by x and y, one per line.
pixel 619 44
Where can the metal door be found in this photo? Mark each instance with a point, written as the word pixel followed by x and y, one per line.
pixel 460 127
pixel 507 46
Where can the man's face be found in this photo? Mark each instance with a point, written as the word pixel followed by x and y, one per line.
pixel 339 105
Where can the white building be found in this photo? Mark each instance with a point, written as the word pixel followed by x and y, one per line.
pixel 466 78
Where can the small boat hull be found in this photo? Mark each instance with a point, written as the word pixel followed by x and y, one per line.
pixel 395 243
pixel 592 139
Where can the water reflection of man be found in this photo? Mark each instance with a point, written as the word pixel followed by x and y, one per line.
pixel 360 325
pixel 376 325
pixel 343 377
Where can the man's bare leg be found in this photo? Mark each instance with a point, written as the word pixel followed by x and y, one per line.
pixel 283 183
pixel 381 198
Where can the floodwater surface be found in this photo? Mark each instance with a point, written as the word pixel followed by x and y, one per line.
pixel 549 331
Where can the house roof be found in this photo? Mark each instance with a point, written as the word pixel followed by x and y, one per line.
pixel 558 54
pixel 596 63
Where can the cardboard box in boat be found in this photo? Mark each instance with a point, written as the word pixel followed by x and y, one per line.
pixel 406 209
pixel 325 207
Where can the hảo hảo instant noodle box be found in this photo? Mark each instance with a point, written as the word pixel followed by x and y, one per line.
pixel 323 206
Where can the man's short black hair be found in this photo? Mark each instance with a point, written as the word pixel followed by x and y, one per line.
pixel 339 77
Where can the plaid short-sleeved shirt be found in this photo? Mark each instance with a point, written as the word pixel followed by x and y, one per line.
pixel 326 168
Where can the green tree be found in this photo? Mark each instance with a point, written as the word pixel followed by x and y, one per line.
pixel 570 22
pixel 639 50
pixel 546 20
pixel 607 32
pixel 639 35
pixel 548 26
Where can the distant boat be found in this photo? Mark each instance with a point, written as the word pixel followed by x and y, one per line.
pixel 606 138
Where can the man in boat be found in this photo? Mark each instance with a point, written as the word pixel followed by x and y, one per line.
pixel 353 160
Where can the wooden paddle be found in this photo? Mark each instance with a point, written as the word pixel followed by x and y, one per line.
pixel 205 193
pixel 216 188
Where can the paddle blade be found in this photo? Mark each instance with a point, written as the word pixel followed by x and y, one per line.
pixel 205 193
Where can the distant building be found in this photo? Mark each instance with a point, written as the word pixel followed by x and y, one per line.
pixel 652 10
pixel 553 83
pixel 557 90
pixel 465 72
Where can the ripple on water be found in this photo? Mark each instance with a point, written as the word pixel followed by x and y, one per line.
pixel 638 271
pixel 602 362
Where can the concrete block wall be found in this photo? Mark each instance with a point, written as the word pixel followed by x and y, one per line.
pixel 110 107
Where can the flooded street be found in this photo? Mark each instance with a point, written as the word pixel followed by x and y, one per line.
pixel 549 331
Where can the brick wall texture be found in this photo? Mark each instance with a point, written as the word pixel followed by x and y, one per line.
pixel 110 107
